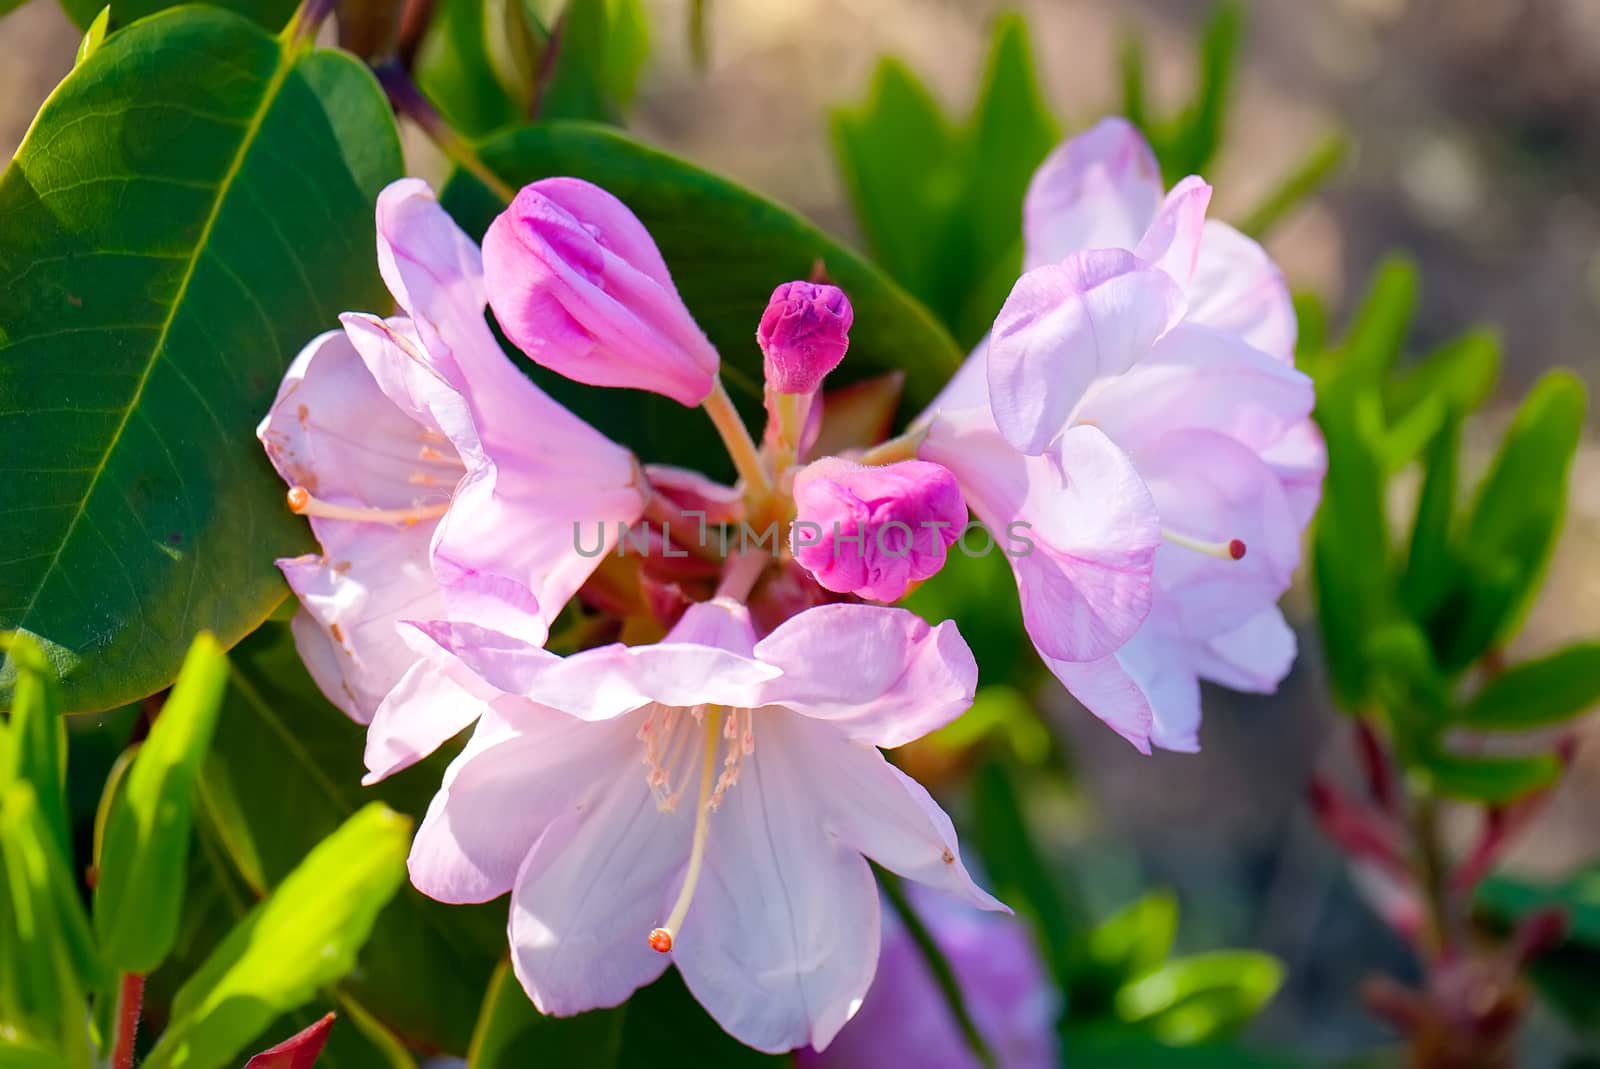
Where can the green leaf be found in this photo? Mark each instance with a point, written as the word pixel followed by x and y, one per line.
pixel 94 36
pixel 286 773
pixel 1378 335
pixel 727 249
pixel 146 845
pixel 1117 1047
pixel 37 752
pixel 475 63
pixel 304 936
pixel 511 1033
pixel 1511 899
pixel 1197 133
pixel 1462 373
pixel 1408 684
pixel 47 958
pixel 667 1029
pixel 1550 690
pixel 1431 570
pixel 191 206
pixel 270 14
pixel 899 158
pixel 1308 176
pixel 600 47
pixel 1136 938
pixel 1521 503
pixel 1201 998
pixel 1491 780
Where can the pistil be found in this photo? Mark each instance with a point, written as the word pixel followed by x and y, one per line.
pixel 302 502
pixel 661 939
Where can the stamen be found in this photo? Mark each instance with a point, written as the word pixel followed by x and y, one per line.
pixel 303 503
pixel 1233 549
pixel 661 938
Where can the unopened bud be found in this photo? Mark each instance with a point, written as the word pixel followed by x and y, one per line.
pixel 803 335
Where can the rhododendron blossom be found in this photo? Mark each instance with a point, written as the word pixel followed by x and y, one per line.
pixel 1142 366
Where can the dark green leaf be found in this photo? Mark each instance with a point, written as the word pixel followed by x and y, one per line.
pixel 1550 690
pixel 1511 899
pixel 512 1034
pixel 1521 504
pixel 727 248
pixel 271 14
pixel 1430 570
pixel 1378 335
pixel 192 205
pixel 1462 373
pixel 667 1029
pixel 1124 1047
pixel 302 937
pixel 146 845
pixel 286 773
pixel 37 751
pixel 600 47
pixel 1201 998
pixel 1407 684
pixel 478 86
pixel 1492 780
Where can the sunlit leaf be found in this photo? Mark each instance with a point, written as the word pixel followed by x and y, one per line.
pixel 1550 690
pixel 1202 997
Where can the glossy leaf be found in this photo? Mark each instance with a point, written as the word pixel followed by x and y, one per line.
pixel 600 47
pixel 1491 780
pixel 476 63
pixel 36 753
pixel 1550 690
pixel 1430 570
pixel 727 249
pixel 305 935
pixel 47 958
pixel 286 773
pixel 1203 997
pixel 193 203
pixel 148 829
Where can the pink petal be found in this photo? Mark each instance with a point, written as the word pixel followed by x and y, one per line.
pixel 1066 326
pixel 1300 459
pixel 1146 692
pixel 1237 289
pixel 1099 190
pixel 1173 241
pixel 882 675
pixel 969 386
pixel 423 711
pixel 1107 691
pixel 781 938
pixel 695 492
pixel 1255 656
pixel 874 808
pixel 1197 378
pixel 524 769
pixel 1079 525
pixel 598 879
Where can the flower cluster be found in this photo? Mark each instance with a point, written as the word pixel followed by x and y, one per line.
pixel 706 791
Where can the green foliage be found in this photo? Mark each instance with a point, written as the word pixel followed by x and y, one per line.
pixel 192 205
pixel 151 819
pixel 1200 998
pixel 1564 976
pixel 1186 143
pixel 941 204
pixel 1402 630
pixel 727 248
pixel 36 750
pixel 269 14
pixel 304 935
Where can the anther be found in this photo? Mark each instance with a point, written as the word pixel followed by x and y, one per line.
pixel 661 940
pixel 1233 549
pixel 302 502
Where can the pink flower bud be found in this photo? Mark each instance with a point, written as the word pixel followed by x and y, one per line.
pixel 577 283
pixel 873 531
pixel 804 334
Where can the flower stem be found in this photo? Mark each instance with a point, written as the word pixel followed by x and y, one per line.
pixel 130 995
pixel 896 449
pixel 736 437
pixel 408 100
pixel 739 578
pixel 943 975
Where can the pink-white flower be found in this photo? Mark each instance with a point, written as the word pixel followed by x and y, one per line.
pixel 577 283
pixel 709 801
pixel 906 1019
pixel 439 481
pixel 1166 340
pixel 803 335
pixel 874 530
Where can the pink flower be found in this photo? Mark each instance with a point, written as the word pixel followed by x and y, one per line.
pixel 1170 346
pixel 577 283
pixel 905 1019
pixel 873 531
pixel 410 445
pixel 803 335
pixel 710 798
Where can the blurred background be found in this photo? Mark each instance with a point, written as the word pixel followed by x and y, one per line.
pixel 1475 132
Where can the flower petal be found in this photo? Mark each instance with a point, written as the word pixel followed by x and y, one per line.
pixel 1173 241
pixel 596 882
pixel 1098 190
pixel 1237 289
pixel 781 938
pixel 1255 656
pixel 1064 327
pixel 423 711
pixel 1147 691
pixel 524 769
pixel 883 676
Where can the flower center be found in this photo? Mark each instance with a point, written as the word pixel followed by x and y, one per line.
pixel 669 736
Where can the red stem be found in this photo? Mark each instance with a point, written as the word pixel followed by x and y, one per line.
pixel 130 997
